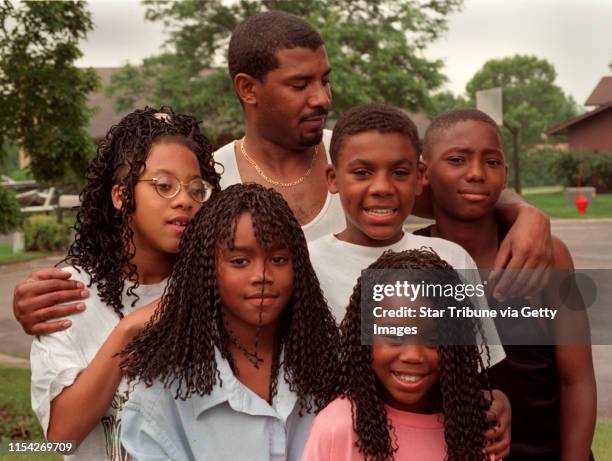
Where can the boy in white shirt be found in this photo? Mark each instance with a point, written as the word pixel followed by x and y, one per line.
pixel 377 173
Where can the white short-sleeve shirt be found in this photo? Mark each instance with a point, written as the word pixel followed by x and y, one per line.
pixel 338 265
pixel 58 358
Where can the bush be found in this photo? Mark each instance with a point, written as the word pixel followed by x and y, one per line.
pixel 597 169
pixel 601 175
pixel 537 168
pixel 44 233
pixel 10 211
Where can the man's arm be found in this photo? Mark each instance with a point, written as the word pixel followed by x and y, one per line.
pixel 41 297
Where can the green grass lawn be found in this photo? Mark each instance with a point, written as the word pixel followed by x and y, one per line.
pixel 17 420
pixel 602 443
pixel 553 204
pixel 7 255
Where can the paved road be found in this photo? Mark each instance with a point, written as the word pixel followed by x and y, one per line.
pixel 590 243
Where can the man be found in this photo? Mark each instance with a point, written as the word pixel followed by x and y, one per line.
pixel 279 67
pixel 280 71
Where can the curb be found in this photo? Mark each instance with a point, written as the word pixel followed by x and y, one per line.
pixel 11 361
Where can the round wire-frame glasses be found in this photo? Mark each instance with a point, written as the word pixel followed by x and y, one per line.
pixel 168 186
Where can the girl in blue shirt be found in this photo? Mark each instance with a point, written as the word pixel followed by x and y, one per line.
pixel 243 344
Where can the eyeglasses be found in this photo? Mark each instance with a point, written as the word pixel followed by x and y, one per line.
pixel 167 186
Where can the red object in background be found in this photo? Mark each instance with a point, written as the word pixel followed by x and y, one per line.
pixel 581 203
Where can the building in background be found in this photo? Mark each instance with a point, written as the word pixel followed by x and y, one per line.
pixel 591 131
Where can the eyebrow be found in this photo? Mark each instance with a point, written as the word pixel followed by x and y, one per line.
pixel 469 150
pixel 307 76
pixel 359 161
pixel 168 172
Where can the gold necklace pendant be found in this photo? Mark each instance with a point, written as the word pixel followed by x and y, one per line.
pixel 273 181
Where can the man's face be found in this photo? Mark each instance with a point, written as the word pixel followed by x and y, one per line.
pixel 293 100
pixel 466 170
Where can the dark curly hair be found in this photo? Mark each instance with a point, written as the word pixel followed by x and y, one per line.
pixel 449 119
pixel 255 41
pixel 461 383
pixel 178 347
pixel 103 246
pixel 372 117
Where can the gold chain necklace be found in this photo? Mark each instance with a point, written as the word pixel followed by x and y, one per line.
pixel 273 181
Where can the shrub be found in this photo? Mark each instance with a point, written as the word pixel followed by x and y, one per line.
pixel 597 169
pixel 567 168
pixel 10 211
pixel 44 233
pixel 601 176
pixel 537 168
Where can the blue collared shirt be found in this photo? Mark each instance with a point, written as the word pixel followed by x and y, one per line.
pixel 231 423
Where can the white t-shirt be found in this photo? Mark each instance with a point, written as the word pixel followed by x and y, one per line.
pixel 58 358
pixel 338 265
pixel 330 219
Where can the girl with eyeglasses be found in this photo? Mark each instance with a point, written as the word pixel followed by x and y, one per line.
pixel 150 176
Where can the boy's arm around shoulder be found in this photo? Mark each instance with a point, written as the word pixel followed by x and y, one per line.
pixel 575 367
pixel 527 249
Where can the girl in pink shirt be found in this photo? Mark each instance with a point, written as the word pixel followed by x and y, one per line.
pixel 405 401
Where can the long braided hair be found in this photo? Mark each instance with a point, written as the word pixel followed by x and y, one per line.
pixel 177 348
pixel 103 246
pixel 460 386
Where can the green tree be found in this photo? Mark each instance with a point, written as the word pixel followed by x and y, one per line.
pixel 42 94
pixel 375 48
pixel 532 101
pixel 444 101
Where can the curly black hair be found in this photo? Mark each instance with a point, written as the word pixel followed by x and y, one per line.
pixel 103 246
pixel 178 346
pixel 255 41
pixel 449 119
pixel 372 117
pixel 461 382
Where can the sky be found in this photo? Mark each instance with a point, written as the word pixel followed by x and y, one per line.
pixel 575 35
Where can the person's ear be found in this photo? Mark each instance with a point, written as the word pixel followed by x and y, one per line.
pixel 506 173
pixel 424 166
pixel 117 196
pixel 244 85
pixel 330 175
pixel 421 169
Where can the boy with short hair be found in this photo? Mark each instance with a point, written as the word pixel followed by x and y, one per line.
pixel 551 387
pixel 377 173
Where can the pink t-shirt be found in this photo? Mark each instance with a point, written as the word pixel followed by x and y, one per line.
pixel 419 437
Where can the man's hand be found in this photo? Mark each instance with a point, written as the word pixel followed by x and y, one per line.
pixel 500 416
pixel 40 297
pixel 526 253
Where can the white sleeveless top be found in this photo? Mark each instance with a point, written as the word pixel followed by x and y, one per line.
pixel 330 219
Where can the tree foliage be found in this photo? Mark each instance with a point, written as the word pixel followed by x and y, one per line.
pixel 375 48
pixel 10 211
pixel 42 94
pixel 532 102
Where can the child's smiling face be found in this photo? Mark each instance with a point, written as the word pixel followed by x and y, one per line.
pixel 378 176
pixel 251 278
pixel 466 170
pixel 407 367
